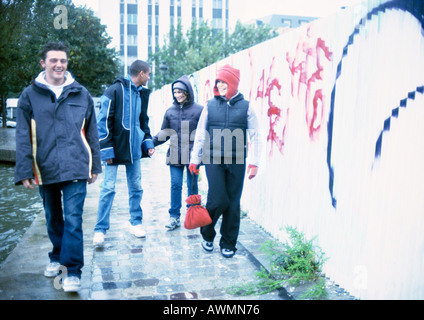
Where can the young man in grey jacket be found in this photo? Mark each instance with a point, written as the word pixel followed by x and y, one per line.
pixel 57 148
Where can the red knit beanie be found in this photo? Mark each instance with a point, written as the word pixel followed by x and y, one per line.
pixel 230 76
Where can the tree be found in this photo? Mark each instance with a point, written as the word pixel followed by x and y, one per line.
pixel 26 25
pixel 91 62
pixel 202 46
pixel 12 16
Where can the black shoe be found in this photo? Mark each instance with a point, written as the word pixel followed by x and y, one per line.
pixel 227 253
pixel 207 246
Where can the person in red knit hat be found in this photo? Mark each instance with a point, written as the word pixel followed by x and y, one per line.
pixel 221 144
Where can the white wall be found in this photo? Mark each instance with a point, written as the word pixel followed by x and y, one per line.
pixel 323 94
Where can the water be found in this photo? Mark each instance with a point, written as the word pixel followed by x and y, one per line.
pixel 18 209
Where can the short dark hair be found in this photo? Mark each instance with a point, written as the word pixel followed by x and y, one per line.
pixel 137 66
pixel 53 46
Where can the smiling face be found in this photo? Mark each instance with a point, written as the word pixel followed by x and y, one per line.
pixel 222 87
pixel 55 64
pixel 180 96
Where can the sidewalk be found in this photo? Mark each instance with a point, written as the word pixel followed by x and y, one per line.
pixel 166 265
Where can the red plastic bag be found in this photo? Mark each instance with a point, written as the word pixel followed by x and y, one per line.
pixel 197 216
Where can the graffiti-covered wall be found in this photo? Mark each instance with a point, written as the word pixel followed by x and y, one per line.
pixel 341 107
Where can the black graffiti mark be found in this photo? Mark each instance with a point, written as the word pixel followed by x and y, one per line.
pixel 395 113
pixel 415 8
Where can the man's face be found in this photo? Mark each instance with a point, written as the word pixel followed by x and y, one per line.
pixel 144 77
pixel 55 64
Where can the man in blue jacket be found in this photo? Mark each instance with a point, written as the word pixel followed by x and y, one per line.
pixel 57 148
pixel 125 138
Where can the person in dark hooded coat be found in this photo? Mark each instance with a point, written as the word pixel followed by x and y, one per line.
pixel 178 126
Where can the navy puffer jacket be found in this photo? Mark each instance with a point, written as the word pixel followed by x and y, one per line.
pixel 56 139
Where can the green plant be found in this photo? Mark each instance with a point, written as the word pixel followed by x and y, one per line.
pixel 316 292
pixel 295 262
pixel 301 260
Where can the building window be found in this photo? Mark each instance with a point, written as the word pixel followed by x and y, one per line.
pixel 132 51
pixel 217 4
pixel 132 19
pixel 132 39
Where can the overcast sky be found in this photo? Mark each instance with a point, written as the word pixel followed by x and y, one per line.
pixel 245 10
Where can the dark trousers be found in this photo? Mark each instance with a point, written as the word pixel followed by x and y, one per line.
pixel 225 189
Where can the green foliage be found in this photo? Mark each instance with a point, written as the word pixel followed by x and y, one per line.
pixel 29 24
pixel 202 46
pixel 301 260
pixel 296 262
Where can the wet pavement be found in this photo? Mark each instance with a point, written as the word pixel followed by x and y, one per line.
pixel 165 265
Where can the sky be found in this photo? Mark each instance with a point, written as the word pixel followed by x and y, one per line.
pixel 245 10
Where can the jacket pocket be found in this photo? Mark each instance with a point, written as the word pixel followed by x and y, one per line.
pixel 76 114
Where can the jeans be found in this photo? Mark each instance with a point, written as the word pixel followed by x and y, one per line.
pixel 107 195
pixel 225 190
pixel 64 226
pixel 177 187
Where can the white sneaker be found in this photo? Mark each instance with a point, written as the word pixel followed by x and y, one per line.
pixel 98 239
pixel 71 284
pixel 52 269
pixel 173 223
pixel 138 231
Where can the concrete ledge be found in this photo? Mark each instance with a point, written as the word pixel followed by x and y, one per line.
pixel 7 155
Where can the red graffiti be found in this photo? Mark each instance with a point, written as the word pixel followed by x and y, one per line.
pixel 307 69
pixel 207 91
pixel 265 90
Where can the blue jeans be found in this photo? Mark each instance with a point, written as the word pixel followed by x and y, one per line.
pixel 64 226
pixel 177 187
pixel 107 195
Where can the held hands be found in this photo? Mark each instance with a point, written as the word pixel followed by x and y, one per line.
pixel 193 169
pixel 252 171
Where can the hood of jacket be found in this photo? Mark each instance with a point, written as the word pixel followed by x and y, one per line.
pixel 41 79
pixel 190 97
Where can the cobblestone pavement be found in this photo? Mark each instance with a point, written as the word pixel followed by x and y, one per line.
pixel 166 265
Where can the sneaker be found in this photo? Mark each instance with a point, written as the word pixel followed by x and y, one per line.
pixel 52 269
pixel 227 253
pixel 138 231
pixel 207 246
pixel 98 239
pixel 71 284
pixel 173 223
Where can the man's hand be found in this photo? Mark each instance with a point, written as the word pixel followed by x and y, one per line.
pixel 92 179
pixel 29 183
pixel 151 152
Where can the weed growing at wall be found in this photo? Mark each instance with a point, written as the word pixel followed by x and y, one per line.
pixel 296 262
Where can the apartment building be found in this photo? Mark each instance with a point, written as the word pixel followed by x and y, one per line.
pixel 138 27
